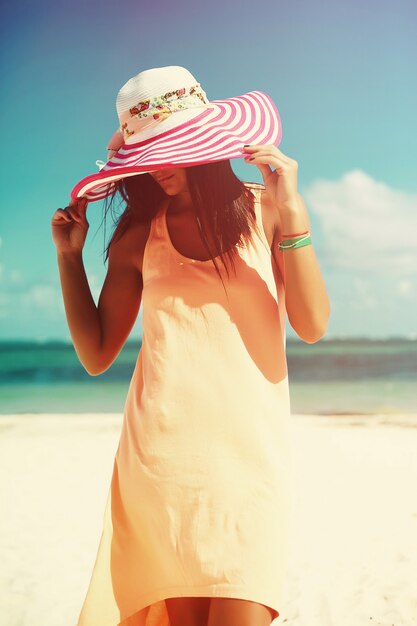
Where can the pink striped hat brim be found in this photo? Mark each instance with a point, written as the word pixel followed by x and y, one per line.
pixel 217 134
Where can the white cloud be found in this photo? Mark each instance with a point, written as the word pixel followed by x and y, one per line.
pixel 366 224
pixel 405 288
pixel 367 251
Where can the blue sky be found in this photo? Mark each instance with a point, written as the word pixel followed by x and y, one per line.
pixel 341 74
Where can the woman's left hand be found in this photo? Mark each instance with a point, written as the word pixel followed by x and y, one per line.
pixel 281 181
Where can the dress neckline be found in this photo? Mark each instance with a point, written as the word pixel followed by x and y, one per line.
pixel 177 253
pixel 185 259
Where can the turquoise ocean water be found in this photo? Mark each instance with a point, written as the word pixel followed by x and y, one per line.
pixel 331 376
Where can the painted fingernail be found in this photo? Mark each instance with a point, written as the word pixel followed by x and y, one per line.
pixel 246 145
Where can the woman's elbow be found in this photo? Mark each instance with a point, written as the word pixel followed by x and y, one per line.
pixel 314 330
pixel 95 367
pixel 93 372
pixel 312 337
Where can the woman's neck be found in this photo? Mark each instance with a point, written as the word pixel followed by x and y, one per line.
pixel 181 203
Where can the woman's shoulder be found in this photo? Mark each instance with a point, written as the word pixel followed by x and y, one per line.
pixel 129 240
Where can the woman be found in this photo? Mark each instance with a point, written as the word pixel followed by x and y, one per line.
pixel 197 518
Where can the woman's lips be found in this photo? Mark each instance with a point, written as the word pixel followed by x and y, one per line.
pixel 162 180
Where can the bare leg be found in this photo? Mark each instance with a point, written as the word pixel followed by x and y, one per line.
pixel 236 612
pixel 188 611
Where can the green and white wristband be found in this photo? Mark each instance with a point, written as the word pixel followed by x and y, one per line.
pixel 295 242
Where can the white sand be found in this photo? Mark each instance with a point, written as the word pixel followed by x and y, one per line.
pixel 353 552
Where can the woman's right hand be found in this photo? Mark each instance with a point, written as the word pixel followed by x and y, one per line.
pixel 70 226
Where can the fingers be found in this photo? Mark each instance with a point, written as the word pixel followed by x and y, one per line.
pixel 267 164
pixel 75 211
pixel 268 147
pixel 74 214
pixel 80 204
pixel 265 157
pixel 62 216
pixel 267 171
pixel 266 150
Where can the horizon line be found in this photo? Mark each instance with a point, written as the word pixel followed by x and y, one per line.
pixel 67 341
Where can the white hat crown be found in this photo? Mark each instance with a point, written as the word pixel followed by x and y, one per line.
pixel 153 83
pixel 152 96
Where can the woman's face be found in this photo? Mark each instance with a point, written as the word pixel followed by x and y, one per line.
pixel 173 181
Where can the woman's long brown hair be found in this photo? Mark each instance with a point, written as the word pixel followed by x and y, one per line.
pixel 220 200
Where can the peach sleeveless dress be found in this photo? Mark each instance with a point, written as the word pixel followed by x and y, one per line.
pixel 200 494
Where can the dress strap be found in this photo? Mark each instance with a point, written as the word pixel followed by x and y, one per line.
pixel 257 204
pixel 257 191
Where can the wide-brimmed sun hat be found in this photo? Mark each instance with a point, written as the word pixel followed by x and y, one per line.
pixel 166 120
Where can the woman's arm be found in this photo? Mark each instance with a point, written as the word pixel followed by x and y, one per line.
pixel 306 299
pixel 82 315
pixel 98 332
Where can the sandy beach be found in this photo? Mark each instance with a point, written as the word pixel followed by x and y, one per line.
pixel 354 544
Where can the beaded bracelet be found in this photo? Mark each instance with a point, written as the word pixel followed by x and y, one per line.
pixel 295 242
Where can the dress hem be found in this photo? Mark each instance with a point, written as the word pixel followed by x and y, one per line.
pixel 210 591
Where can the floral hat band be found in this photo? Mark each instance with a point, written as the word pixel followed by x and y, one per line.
pixel 153 110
